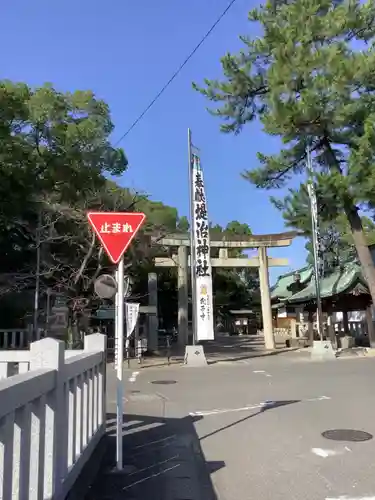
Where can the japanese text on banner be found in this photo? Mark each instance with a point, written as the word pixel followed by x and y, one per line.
pixel 132 313
pixel 203 270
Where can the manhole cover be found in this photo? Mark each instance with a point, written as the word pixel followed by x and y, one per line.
pixel 347 435
pixel 163 382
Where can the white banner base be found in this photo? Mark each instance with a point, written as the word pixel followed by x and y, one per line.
pixel 322 350
pixel 195 356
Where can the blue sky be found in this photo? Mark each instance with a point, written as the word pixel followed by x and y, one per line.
pixel 125 52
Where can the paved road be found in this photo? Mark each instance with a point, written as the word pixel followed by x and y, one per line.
pixel 224 348
pixel 245 430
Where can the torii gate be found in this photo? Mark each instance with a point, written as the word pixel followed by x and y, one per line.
pixel 182 260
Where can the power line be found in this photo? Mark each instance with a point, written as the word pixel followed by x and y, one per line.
pixel 176 73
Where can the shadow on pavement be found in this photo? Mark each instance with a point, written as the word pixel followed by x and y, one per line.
pixel 162 459
pixel 270 405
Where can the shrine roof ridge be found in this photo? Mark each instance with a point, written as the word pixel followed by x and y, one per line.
pixel 342 279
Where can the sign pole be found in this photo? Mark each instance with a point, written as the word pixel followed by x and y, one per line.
pixel 115 231
pixel 120 357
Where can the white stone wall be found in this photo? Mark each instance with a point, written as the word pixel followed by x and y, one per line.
pixel 52 415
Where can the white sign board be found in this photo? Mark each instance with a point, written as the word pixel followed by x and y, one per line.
pixel 131 314
pixel 203 270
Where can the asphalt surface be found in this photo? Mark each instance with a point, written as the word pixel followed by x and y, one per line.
pixel 248 429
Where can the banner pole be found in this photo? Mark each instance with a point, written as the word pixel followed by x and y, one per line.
pixel 120 357
pixel 315 243
pixel 192 248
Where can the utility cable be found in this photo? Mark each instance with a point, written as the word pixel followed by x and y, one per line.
pixel 175 74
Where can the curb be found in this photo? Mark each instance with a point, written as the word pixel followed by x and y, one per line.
pixel 212 360
pixel 254 355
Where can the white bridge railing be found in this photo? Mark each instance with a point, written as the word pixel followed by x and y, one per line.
pixel 52 415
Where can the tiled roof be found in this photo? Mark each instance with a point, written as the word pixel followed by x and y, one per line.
pixel 280 289
pixel 335 283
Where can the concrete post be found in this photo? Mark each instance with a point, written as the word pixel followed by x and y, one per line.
pixel 98 342
pixel 182 296
pixel 331 328
pixel 311 327
pixel 223 253
pixel 269 340
pixel 95 342
pixel 49 353
pixel 370 326
pixel 152 319
pixel 293 328
pixel 345 322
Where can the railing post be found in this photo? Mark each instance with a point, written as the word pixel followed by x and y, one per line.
pixel 98 342
pixel 95 342
pixel 5 370
pixel 49 353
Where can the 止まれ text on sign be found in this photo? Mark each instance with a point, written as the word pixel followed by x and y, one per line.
pixel 116 227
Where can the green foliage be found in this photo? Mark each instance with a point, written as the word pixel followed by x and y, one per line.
pixel 308 85
pixel 60 141
pixel 183 224
pixel 309 79
pixel 336 238
pixel 233 289
pixel 55 155
pixel 55 158
pixel 236 228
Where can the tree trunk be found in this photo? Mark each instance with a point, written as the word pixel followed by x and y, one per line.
pixel 363 251
pixel 355 223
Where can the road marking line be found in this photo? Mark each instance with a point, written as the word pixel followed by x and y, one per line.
pixel 263 372
pixel 154 442
pixel 151 476
pixel 133 376
pixel 204 413
pixel 228 410
pixel 154 465
pixel 326 453
pixel 157 448
pixel 329 453
pixel 320 398
pixel 345 497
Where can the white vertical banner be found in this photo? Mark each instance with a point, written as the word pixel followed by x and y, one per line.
pixel 132 313
pixel 202 260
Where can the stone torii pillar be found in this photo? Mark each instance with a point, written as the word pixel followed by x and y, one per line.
pixel 269 339
pixel 183 295
pixel 152 319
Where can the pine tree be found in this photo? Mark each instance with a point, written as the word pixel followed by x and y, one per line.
pixel 310 80
pixel 336 240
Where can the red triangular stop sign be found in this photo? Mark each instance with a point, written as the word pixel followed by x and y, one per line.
pixel 115 230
